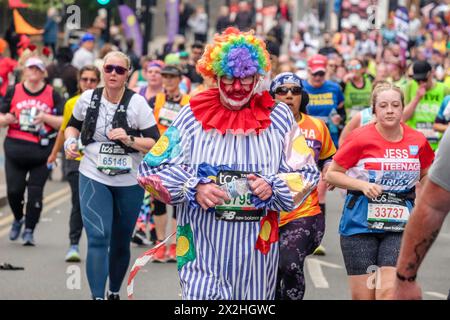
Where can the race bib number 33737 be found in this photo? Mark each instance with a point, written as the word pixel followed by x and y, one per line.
pixel 387 212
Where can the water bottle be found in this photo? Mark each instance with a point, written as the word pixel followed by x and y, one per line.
pixel 33 113
pixel 80 146
pixel 236 188
pixel 334 130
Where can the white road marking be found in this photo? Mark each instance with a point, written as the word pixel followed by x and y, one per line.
pixel 315 271
pixel 436 295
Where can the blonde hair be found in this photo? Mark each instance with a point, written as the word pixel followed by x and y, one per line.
pixel 118 54
pixel 382 86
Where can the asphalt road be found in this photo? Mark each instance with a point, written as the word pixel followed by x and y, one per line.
pixel 47 276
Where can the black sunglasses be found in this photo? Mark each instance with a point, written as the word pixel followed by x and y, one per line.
pixel 119 69
pixel 282 91
pixel 319 74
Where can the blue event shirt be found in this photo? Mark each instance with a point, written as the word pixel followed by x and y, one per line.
pixel 322 101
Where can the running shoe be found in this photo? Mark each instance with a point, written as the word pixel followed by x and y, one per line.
pixel 28 238
pixel 152 235
pixel 73 255
pixel 112 296
pixel 320 251
pixel 16 228
pixel 172 254
pixel 139 237
pixel 160 254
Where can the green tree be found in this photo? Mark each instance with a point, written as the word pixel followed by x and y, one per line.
pixel 43 5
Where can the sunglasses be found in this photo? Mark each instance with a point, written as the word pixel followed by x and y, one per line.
pixel 319 74
pixel 356 67
pixel 282 91
pixel 91 80
pixel 109 68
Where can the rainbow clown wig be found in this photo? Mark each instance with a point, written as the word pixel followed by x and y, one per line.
pixel 234 54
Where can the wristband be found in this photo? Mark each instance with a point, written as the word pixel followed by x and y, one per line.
pixel 409 279
pixel 69 141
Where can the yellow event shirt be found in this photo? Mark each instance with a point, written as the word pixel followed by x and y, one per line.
pixel 67 114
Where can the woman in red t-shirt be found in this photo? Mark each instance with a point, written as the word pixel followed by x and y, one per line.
pixel 380 165
pixel 32 111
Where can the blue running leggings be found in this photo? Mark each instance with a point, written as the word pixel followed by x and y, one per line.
pixel 109 216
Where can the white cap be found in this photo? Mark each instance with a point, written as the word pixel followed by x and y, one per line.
pixel 35 62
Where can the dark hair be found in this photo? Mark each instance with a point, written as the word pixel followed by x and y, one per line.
pixel 273 48
pixel 304 103
pixel 198 45
pixel 90 68
pixel 64 55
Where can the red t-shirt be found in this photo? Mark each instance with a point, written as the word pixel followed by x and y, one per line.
pixel 22 101
pixel 395 166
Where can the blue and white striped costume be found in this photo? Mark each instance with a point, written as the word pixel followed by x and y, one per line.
pixel 226 263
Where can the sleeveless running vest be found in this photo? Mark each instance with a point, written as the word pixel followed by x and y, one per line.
pixel 356 99
pixel 426 111
pixel 119 119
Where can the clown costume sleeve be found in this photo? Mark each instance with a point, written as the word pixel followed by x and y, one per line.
pixel 166 172
pixel 297 175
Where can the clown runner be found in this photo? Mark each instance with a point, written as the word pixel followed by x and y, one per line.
pixel 226 242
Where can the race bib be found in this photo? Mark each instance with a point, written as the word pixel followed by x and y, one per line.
pixel 168 113
pixel 26 119
pixel 427 129
pixel 240 207
pixel 387 212
pixel 113 160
